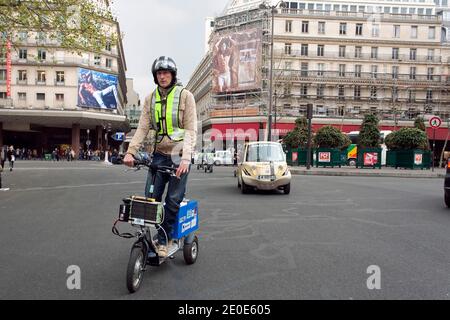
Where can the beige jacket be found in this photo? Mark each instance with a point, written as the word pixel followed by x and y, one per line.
pixel 188 118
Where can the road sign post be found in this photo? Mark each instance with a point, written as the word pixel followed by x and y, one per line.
pixel 435 123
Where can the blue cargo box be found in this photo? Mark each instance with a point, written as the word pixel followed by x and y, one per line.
pixel 187 219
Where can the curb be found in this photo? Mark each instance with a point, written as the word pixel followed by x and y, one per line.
pixel 367 174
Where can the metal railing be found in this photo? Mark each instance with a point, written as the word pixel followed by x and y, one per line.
pixel 72 61
pixel 362 56
pixel 363 15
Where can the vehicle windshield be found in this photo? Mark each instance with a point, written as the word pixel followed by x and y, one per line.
pixel 265 153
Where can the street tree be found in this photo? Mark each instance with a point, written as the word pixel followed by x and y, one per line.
pixel 75 25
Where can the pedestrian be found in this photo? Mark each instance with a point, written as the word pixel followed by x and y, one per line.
pixel 3 155
pixel 175 142
pixel 11 157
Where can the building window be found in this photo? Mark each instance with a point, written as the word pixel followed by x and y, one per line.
pixel 22 96
pixel 342 70
pixel 396 31
pixel 412 54
pixel 412 73
pixel 304 90
pixel 2 74
pixel 395 72
pixel 373 93
pixel 304 50
pixel 60 77
pixel 305 26
pixel 359 29
pixel 411 95
pixel 431 32
pixel 357 93
pixel 2 95
pixel 358 68
pixel 288 26
pixel 40 96
pixel 395 54
pixel 374 72
pixel 342 28
pixel 23 36
pixel 108 46
pixel 109 63
pixel 321 29
pixel 430 73
pixel 341 92
pixel 320 50
pixel 358 52
pixel 42 54
pixel 97 60
pixel 342 51
pixel 414 32
pixel 430 56
pixel 304 69
pixel 320 69
pixel 288 65
pixel 394 94
pixel 429 98
pixel 374 53
pixel 59 97
pixel 320 91
pixel 375 30
pixel 22 75
pixel 41 76
pixel 23 54
pixel 287 48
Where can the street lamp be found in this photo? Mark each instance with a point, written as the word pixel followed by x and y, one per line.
pixel 273 10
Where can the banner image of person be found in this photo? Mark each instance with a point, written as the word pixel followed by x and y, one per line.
pixel 236 61
pixel 97 89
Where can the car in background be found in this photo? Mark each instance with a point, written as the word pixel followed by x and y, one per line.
pixel 223 158
pixel 447 185
pixel 264 167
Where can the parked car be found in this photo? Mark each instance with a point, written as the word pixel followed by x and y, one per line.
pixel 264 167
pixel 447 185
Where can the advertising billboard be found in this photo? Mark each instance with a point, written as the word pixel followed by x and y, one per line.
pixel 236 61
pixel 97 89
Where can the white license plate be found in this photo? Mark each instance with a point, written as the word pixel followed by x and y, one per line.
pixel 266 178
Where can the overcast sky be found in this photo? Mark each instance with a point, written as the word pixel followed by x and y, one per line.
pixel 154 28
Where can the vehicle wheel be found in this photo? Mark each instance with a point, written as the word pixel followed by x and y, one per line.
pixel 190 251
pixel 217 163
pixel 352 163
pixel 244 188
pixel 447 199
pixel 287 189
pixel 135 270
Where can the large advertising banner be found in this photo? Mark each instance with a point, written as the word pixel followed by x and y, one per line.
pixel 97 90
pixel 236 61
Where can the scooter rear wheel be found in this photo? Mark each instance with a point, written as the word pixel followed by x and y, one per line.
pixel 135 270
pixel 190 251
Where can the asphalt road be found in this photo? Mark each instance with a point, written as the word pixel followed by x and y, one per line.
pixel 316 243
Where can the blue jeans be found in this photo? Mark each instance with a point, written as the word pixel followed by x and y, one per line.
pixel 175 193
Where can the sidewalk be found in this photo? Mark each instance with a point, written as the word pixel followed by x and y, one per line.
pixel 439 173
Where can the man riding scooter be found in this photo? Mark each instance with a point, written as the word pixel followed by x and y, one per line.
pixel 170 111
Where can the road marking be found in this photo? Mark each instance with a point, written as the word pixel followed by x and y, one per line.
pixel 81 186
pixel 97 185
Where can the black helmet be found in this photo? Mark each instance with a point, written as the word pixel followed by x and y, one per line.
pixel 166 64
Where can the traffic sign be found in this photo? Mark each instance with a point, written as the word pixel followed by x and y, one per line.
pixel 435 122
pixel 119 136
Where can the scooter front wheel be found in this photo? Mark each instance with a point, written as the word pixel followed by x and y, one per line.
pixel 190 251
pixel 135 270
